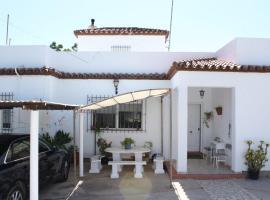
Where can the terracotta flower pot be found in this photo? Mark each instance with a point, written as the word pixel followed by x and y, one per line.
pixel 219 110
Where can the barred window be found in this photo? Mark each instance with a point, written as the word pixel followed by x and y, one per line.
pixel 126 117
pixel 104 118
pixel 7 114
pixel 7 118
pixel 130 115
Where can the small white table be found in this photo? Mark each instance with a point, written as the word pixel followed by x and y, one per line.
pixel 137 151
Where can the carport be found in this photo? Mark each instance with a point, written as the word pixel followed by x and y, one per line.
pixel 34 107
pixel 121 99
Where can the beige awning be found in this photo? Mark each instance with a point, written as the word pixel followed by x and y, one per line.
pixel 126 97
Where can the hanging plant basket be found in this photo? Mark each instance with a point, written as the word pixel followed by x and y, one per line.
pixel 208 116
pixel 219 110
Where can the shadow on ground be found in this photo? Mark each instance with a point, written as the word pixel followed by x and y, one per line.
pixel 101 186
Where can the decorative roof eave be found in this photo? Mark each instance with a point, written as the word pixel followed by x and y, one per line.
pixel 121 31
pixel 214 65
pixel 194 65
pixel 37 105
pixel 67 75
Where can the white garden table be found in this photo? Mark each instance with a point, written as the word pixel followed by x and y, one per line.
pixel 137 151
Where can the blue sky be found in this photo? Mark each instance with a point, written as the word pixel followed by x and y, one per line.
pixel 198 25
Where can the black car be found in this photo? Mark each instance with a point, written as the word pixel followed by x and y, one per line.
pixel 15 165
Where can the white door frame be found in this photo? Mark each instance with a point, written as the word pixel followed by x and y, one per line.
pixel 201 121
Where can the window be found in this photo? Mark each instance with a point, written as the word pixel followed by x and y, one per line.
pixel 7 114
pixel 105 118
pixel 6 119
pixel 119 117
pixel 130 116
pixel 18 150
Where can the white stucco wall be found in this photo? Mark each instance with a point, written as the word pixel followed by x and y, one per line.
pixel 75 92
pixel 250 102
pixel 246 51
pixel 141 43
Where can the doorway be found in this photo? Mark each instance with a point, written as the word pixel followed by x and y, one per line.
pixel 194 128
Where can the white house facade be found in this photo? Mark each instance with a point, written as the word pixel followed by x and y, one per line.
pixel 236 78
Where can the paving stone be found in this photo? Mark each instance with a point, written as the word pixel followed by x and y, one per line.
pixel 226 190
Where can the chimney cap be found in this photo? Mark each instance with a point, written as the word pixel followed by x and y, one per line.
pixel 92 22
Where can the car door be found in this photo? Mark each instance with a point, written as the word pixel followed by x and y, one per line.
pixel 48 159
pixel 17 160
pixel 44 163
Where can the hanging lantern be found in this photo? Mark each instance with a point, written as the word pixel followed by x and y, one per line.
pixel 202 92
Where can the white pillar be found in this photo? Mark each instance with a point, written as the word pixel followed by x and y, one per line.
pixel 81 144
pixel 182 120
pixel 34 144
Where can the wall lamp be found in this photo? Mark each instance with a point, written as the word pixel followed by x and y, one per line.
pixel 116 83
pixel 202 92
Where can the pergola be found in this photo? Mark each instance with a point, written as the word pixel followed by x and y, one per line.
pixel 121 99
pixel 34 107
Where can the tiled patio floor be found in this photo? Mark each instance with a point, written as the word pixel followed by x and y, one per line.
pixel 202 166
pixel 154 187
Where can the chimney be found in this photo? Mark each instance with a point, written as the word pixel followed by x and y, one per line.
pixel 92 26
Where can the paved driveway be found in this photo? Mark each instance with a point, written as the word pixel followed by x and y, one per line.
pixel 153 187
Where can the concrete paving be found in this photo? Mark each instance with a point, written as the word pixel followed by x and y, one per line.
pixel 154 187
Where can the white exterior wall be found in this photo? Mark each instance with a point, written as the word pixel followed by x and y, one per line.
pixel 249 92
pixel 250 110
pixel 75 92
pixel 150 43
pixel 246 51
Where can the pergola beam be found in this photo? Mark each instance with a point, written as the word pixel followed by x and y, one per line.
pixel 81 145
pixel 34 157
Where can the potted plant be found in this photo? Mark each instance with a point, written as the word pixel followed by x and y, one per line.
pixel 127 143
pixel 219 110
pixel 208 116
pixel 256 159
pixel 102 145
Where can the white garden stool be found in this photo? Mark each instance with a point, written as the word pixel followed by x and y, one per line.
pixel 95 164
pixel 158 165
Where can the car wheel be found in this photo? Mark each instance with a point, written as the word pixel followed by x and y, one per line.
pixel 17 192
pixel 64 171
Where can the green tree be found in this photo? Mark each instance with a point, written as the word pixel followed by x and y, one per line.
pixel 60 47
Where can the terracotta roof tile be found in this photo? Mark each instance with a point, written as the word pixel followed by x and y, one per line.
pixel 200 64
pixel 68 75
pixel 121 31
pixel 213 65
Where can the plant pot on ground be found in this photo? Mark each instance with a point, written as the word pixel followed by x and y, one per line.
pixel 256 159
pixel 127 142
pixel 102 145
pixel 254 175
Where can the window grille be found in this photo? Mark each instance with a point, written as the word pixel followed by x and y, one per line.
pixel 120 48
pixel 122 117
pixel 7 114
